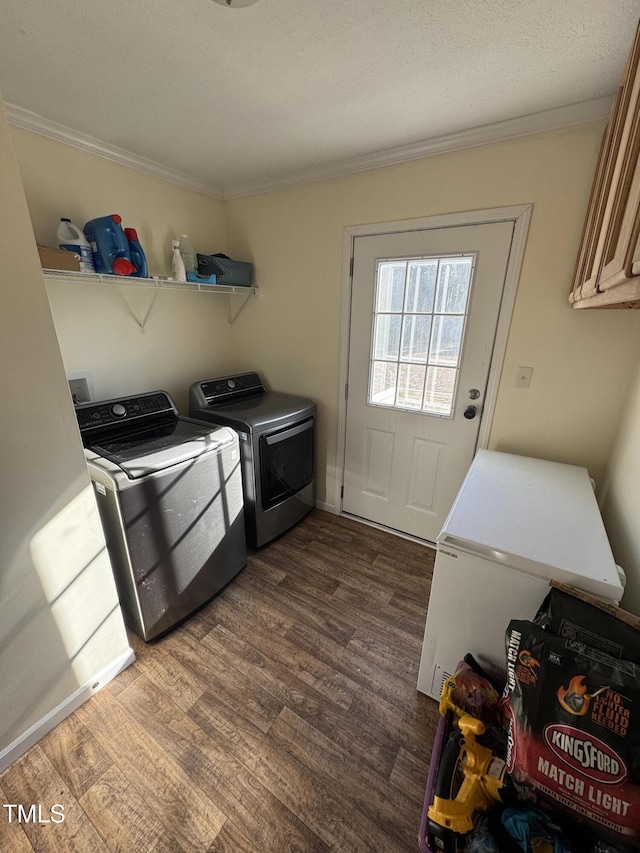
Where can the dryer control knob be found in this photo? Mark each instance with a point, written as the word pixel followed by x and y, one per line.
pixel 231 384
pixel 118 410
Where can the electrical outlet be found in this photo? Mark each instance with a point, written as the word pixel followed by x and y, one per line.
pixel 523 377
pixel 81 387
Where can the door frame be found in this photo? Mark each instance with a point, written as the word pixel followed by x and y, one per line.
pixel 520 215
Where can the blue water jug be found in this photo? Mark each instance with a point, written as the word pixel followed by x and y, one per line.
pixel 137 254
pixel 109 245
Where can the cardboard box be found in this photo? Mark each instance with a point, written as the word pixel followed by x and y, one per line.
pixel 607 606
pixel 58 259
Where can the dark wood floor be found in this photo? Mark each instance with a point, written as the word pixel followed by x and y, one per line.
pixel 281 717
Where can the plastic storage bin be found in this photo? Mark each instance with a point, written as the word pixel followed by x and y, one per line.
pixel 434 763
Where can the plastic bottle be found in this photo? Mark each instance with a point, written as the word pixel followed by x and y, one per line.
pixel 109 244
pixel 138 257
pixel 177 264
pixel 189 256
pixel 71 238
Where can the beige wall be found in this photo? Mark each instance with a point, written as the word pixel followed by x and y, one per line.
pixel 621 505
pixel 187 336
pixel 582 361
pixel 60 623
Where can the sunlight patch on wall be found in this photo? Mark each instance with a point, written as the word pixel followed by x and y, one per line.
pixel 72 562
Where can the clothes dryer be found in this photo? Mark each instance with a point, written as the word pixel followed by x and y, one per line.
pixel 277 445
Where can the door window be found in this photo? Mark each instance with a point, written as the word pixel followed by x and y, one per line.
pixel 419 320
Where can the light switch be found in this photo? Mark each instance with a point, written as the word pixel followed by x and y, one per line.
pixel 523 377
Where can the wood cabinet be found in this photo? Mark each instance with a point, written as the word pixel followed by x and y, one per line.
pixel 607 273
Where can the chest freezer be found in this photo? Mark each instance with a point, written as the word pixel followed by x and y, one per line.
pixel 516 524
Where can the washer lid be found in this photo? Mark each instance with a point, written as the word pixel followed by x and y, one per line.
pixel 147 451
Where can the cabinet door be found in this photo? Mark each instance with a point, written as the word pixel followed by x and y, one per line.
pixel 585 278
pixel 622 226
pixel 635 259
pixel 612 226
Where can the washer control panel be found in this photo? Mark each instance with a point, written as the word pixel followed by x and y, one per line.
pixel 107 413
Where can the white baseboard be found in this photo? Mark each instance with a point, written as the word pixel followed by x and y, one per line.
pixel 327 507
pixel 19 746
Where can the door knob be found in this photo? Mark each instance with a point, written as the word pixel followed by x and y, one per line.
pixel 470 412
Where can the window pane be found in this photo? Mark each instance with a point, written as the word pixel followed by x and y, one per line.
pixel 383 390
pixel 391 275
pixel 446 340
pixel 387 336
pixel 415 338
pixel 438 397
pixel 453 285
pixel 419 324
pixel 410 385
pixel 421 286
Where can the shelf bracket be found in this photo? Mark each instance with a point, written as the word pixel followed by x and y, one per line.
pixel 233 315
pixel 140 323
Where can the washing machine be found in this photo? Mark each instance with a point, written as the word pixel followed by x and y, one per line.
pixel 277 447
pixel 169 493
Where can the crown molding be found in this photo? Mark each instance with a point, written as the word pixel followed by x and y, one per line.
pixel 27 120
pixel 569 116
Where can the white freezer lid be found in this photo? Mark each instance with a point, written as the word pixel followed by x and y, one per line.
pixel 534 515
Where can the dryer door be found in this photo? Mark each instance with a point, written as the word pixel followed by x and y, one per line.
pixel 286 462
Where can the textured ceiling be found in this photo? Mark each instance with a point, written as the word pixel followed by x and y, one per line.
pixel 237 97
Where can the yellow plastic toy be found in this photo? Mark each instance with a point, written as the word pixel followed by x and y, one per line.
pixel 470 779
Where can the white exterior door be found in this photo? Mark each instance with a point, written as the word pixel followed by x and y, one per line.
pixel 424 312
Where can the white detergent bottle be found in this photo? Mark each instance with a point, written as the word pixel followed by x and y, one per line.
pixel 188 254
pixel 72 238
pixel 177 264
